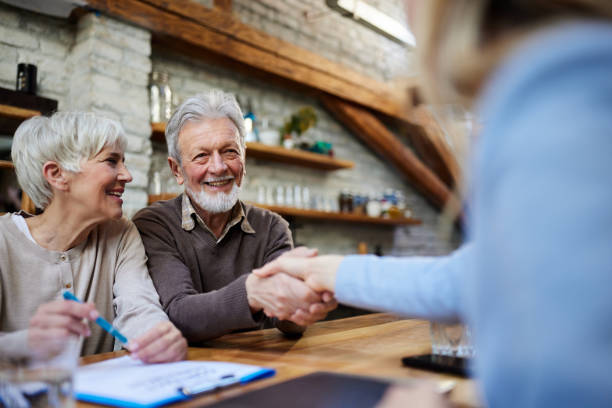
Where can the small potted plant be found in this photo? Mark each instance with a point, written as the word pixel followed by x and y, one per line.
pixel 296 125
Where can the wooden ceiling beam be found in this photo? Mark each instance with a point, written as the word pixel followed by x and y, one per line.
pixel 233 27
pixel 223 34
pixel 429 141
pixel 376 135
pixel 223 5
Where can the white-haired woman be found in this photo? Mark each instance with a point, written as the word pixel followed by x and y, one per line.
pixel 72 166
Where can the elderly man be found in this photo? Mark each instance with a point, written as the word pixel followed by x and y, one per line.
pixel 203 245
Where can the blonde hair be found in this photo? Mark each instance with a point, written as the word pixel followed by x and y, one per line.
pixel 65 138
pixel 461 42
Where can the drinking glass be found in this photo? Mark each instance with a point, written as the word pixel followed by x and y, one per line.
pixel 451 340
pixel 40 381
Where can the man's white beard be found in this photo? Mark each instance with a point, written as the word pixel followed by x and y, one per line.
pixel 215 203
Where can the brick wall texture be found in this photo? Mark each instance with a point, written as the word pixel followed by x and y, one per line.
pixel 103 65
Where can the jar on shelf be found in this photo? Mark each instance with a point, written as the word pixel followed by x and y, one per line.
pixel 359 203
pixel 373 207
pixel 160 97
pixel 156 183
pixel 345 201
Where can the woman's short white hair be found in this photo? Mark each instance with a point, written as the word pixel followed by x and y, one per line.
pixel 66 138
pixel 209 105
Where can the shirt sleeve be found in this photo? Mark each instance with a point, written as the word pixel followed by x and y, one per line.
pixel 420 287
pixel 12 344
pixel 279 241
pixel 199 316
pixel 135 301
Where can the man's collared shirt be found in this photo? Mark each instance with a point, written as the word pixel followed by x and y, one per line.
pixel 237 215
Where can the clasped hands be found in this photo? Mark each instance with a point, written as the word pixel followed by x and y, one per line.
pixel 286 289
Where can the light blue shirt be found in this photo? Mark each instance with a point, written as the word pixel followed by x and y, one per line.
pixel 535 280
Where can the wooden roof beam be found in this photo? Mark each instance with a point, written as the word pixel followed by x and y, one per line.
pixel 223 5
pixel 376 135
pixel 429 141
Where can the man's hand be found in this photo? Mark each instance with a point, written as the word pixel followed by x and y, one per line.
pixel 319 272
pixel 55 322
pixel 163 343
pixel 281 296
pixel 316 312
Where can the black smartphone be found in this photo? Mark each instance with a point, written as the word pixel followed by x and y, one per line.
pixel 444 364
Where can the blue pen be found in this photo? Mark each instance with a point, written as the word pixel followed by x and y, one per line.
pixel 100 321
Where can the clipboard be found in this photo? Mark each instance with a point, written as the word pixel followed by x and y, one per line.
pixel 124 382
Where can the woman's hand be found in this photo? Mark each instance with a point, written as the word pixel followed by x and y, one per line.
pixel 55 322
pixel 318 272
pixel 163 343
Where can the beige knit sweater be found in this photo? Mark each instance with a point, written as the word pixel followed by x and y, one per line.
pixel 108 269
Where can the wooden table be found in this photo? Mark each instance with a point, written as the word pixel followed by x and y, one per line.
pixel 369 345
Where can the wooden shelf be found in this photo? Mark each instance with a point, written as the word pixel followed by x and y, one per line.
pixel 296 157
pixel 314 214
pixel 6 164
pixel 14 109
pixel 335 216
pixel 13 112
pixel 159 197
pixel 276 153
pixel 19 106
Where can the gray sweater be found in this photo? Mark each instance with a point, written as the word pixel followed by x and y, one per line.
pixel 201 282
pixel 108 269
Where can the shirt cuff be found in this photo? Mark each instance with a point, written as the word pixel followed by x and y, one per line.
pixel 350 278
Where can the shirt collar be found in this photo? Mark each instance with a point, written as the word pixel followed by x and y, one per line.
pixel 190 217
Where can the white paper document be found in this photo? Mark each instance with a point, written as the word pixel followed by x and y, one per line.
pixel 125 382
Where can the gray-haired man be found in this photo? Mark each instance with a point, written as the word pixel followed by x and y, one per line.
pixel 203 245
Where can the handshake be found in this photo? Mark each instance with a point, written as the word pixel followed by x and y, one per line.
pixel 297 286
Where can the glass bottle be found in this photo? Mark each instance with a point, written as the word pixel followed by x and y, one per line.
pixel 249 123
pixel 160 97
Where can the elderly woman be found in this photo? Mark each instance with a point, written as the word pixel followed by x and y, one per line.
pixel 72 165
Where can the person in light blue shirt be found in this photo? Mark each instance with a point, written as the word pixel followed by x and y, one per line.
pixel 534 280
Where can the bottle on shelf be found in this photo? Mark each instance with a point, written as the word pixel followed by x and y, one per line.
pixel 267 135
pixel 249 123
pixel 26 78
pixel 160 97
pixel 373 206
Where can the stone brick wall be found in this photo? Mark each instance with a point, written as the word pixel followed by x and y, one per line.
pixel 110 72
pixel 103 65
pixel 40 40
pixel 312 25
pixel 99 65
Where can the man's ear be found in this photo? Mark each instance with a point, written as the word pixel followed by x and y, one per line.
pixel 55 176
pixel 175 167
